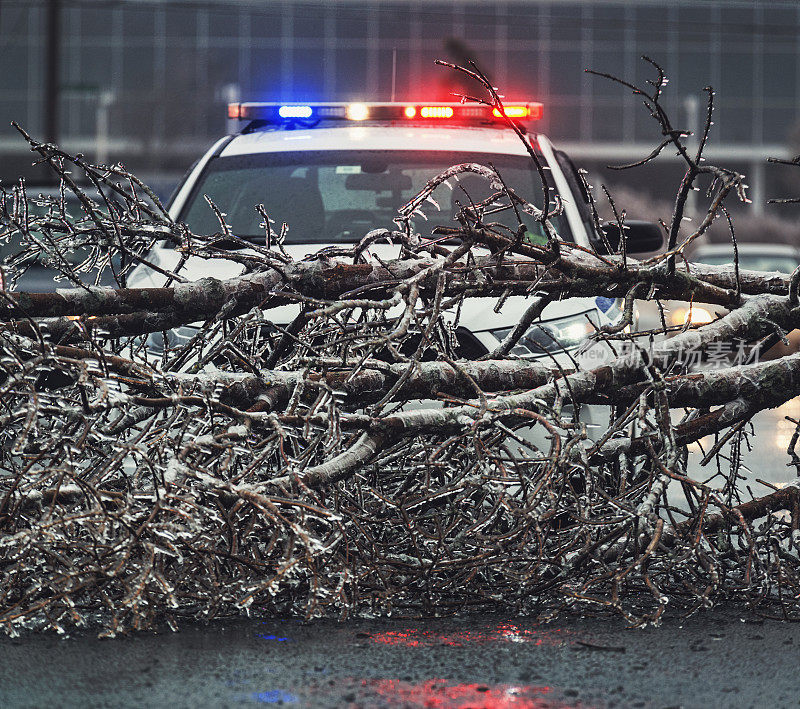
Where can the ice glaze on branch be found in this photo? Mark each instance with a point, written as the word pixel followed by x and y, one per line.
pixel 360 455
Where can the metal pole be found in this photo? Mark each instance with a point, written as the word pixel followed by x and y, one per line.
pixel 756 178
pixel 104 101
pixel 692 107
pixel 231 93
pixel 52 65
pixel 394 71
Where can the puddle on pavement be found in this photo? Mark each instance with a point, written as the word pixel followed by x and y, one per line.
pixel 436 693
pixel 443 694
pixel 433 692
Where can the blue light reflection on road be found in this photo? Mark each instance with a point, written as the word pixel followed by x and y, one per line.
pixel 274 696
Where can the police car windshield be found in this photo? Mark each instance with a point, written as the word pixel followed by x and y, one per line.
pixel 338 196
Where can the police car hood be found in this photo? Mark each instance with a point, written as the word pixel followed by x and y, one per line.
pixel 477 314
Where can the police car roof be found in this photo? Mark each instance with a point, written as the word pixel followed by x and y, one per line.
pixel 457 138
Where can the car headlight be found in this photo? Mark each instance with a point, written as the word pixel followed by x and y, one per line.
pixel 694 316
pixel 552 336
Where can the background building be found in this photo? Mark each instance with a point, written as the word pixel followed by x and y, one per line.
pixel 147 81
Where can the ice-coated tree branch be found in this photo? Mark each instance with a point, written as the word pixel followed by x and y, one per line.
pixel 191 450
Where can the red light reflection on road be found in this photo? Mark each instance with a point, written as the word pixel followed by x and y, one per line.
pixel 441 694
pixel 504 632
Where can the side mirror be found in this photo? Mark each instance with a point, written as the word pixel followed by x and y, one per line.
pixel 641 237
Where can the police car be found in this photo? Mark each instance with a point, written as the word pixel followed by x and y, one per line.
pixel 335 171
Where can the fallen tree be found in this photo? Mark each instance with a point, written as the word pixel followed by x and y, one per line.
pixel 353 460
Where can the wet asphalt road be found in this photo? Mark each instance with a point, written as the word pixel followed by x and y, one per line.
pixel 709 660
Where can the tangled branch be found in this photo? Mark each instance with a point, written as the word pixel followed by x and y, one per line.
pixel 179 451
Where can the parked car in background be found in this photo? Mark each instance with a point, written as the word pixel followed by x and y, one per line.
pixel 37 277
pixel 782 258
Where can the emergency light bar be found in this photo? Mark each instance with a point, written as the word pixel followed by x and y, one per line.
pixel 401 112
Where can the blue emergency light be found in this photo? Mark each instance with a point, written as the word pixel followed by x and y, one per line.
pixel 295 111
